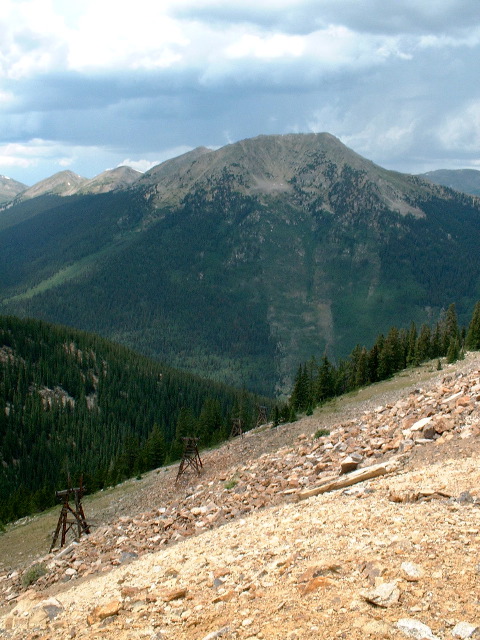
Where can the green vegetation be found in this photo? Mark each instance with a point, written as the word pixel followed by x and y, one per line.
pixel 320 433
pixel 239 284
pixel 33 574
pixel 74 404
pixel 315 383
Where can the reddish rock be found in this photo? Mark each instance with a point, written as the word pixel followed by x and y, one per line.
pixel 104 611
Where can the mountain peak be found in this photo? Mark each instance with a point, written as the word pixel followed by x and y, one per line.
pixel 293 165
pixel 110 180
pixel 9 189
pixel 63 183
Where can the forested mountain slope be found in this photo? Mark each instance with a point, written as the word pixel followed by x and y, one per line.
pixel 242 262
pixel 72 403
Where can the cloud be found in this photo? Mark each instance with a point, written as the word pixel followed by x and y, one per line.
pixel 104 82
pixel 460 131
pixel 144 164
pixel 368 16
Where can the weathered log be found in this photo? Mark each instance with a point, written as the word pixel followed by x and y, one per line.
pixel 366 473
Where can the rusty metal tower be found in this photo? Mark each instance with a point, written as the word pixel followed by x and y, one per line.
pixel 262 417
pixel 190 457
pixel 237 429
pixel 76 513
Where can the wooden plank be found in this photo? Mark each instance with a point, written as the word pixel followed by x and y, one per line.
pixel 347 480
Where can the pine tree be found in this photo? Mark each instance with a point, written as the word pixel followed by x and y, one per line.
pixel 472 340
pixel 186 427
pixel 154 449
pixel 325 382
pixel 423 349
pixel 391 358
pixel 300 398
pixel 453 352
pixel 451 331
pixel 412 351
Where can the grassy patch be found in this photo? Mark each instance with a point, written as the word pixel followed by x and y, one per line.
pixel 231 484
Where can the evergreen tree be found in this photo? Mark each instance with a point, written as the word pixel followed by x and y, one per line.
pixel 154 449
pixel 391 357
pixel 453 352
pixel 451 332
pixel 472 339
pixel 325 387
pixel 210 424
pixel 437 343
pixel 423 349
pixel 412 350
pixel 361 374
pixel 300 398
pixel 372 363
pixel 186 427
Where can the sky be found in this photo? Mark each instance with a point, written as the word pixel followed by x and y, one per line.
pixel 94 84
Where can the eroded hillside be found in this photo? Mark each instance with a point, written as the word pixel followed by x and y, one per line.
pixel 391 557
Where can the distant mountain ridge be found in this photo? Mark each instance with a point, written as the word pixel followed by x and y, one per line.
pixel 9 189
pixel 466 180
pixel 68 183
pixel 239 263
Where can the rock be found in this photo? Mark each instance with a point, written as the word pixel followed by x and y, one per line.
pixel 372 571
pixel 420 424
pixel 465 498
pixel 348 464
pixel 104 611
pixel 175 594
pixel 384 595
pixel 415 629
pixel 217 634
pixel 127 556
pixel 314 584
pixel 429 432
pixel 463 630
pixel 411 571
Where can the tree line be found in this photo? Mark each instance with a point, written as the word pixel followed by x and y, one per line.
pixel 316 382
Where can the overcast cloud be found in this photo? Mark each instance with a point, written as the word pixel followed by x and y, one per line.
pixel 92 84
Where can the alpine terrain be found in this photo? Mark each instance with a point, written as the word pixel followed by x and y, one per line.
pixel 239 263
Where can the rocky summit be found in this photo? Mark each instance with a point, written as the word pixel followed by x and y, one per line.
pixel 361 521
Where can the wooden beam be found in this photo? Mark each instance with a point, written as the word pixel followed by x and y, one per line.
pixel 347 480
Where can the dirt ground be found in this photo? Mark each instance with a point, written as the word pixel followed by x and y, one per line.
pixel 392 557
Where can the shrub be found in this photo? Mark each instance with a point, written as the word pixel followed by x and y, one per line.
pixel 33 573
pixel 231 483
pixel 321 432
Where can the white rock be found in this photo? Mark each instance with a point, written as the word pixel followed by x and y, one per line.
pixel 464 630
pixel 384 595
pixel 420 424
pixel 411 572
pixel 415 629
